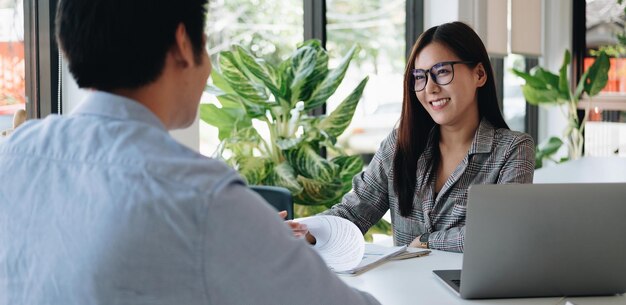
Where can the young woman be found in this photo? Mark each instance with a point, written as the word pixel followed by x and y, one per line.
pixel 451 135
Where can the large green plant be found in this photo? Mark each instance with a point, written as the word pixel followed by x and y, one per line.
pixel 546 88
pixel 281 98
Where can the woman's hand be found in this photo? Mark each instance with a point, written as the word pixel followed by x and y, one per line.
pixel 416 243
pixel 299 230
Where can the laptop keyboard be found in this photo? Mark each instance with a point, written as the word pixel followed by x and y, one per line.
pixel 456 282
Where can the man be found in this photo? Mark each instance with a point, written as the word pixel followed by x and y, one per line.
pixel 104 207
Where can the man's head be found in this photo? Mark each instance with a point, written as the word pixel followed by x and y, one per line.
pixel 151 51
pixel 122 44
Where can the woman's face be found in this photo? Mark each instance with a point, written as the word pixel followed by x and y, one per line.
pixel 455 103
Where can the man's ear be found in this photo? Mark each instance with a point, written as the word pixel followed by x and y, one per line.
pixel 182 50
pixel 481 75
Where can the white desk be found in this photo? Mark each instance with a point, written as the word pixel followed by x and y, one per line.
pixel 411 281
pixel 584 170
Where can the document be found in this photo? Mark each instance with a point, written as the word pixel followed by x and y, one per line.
pixel 340 243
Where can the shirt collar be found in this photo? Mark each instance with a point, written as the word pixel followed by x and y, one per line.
pixel 113 106
pixel 483 139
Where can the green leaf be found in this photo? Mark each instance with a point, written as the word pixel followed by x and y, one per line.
pixel 302 66
pixel 254 169
pixel 581 85
pixel 531 80
pixel 349 166
pixel 242 143
pixel 285 73
pixel 337 122
pixel 319 72
pixel 551 146
pixel 251 110
pixel 330 83
pixel 564 89
pixel 213 90
pixel 287 143
pixel 546 149
pixel 318 192
pixel 537 96
pixel 219 82
pixel 225 119
pixel 284 175
pixel 549 79
pixel 236 78
pixel 261 70
pixel 598 75
pixel 307 162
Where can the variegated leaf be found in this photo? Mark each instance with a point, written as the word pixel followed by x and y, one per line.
pixel 319 192
pixel 330 83
pixel 349 166
pixel 302 66
pixel 284 175
pixel 263 71
pixel 232 72
pixel 307 162
pixel 254 169
pixel 335 124
pixel 320 72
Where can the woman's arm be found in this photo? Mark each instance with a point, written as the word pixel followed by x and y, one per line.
pixel 369 199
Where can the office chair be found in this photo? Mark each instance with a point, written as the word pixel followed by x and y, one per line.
pixel 278 197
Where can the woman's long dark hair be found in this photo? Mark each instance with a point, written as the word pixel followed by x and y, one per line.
pixel 416 124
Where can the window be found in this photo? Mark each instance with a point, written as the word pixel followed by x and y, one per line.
pixel 270 29
pixel 12 66
pixel 378 27
pixel 514 104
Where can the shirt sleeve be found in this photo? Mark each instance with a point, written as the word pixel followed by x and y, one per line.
pixel 368 201
pixel 519 167
pixel 251 257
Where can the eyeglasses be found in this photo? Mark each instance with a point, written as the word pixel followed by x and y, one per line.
pixel 442 74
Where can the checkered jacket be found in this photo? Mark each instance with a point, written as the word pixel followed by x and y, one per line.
pixel 495 156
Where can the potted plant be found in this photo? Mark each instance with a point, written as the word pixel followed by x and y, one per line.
pixel 543 87
pixel 280 98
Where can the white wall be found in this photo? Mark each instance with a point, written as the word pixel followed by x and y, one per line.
pixel 557 37
pixel 472 12
pixel 72 96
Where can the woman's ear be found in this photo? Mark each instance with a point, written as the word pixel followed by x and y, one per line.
pixel 481 75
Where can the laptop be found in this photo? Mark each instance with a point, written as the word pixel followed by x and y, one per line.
pixel 542 240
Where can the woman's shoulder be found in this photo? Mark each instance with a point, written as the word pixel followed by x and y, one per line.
pixel 508 135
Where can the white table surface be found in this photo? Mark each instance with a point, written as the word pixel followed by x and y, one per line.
pixel 584 170
pixel 411 281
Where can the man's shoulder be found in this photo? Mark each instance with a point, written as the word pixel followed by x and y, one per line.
pixel 117 145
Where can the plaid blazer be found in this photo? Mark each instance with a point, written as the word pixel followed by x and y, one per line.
pixel 495 156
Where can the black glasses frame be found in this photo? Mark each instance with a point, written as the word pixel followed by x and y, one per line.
pixel 433 76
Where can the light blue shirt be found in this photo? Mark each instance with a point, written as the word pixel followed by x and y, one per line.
pixel 104 207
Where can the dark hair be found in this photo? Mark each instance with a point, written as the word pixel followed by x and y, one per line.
pixel 122 44
pixel 416 124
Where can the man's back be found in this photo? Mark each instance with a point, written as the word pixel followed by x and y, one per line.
pixel 105 207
